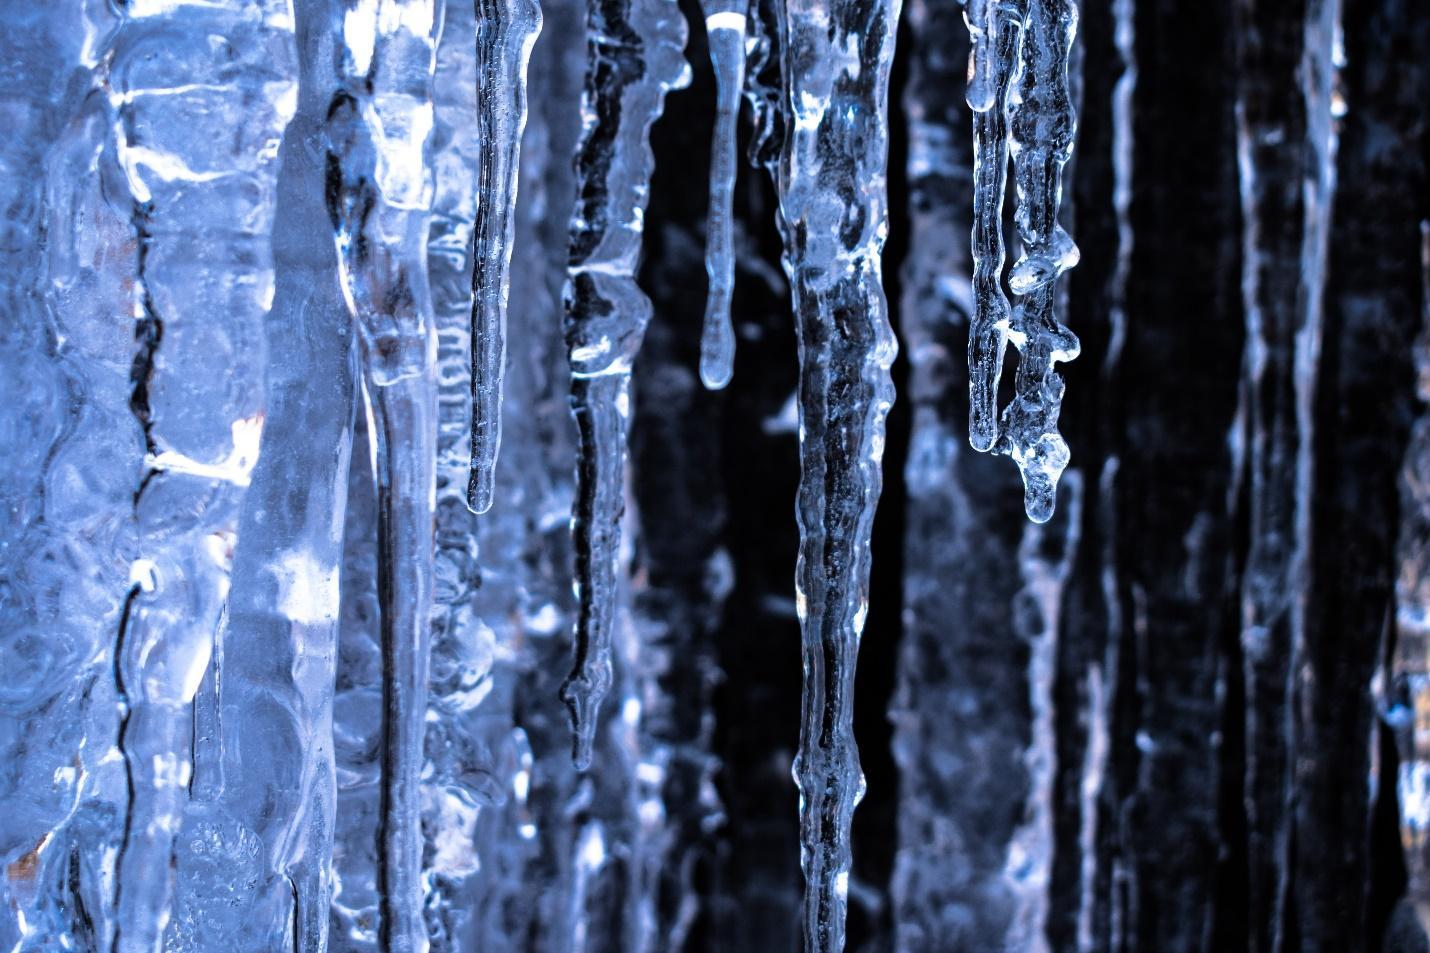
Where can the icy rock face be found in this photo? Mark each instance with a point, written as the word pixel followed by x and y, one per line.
pixel 68 530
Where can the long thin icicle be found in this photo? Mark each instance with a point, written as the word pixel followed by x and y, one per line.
pixel 379 193
pixel 996 34
pixel 836 60
pixel 634 58
pixel 725 22
pixel 506 31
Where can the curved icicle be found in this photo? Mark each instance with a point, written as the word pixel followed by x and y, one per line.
pixel 725 22
pixel 836 61
pixel 634 57
pixel 379 196
pixel 506 32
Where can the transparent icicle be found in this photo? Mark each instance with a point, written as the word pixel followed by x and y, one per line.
pixel 379 193
pixel 1041 125
pixel 725 22
pixel 506 30
pixel 200 98
pixel 996 36
pixel 832 198
pixel 634 58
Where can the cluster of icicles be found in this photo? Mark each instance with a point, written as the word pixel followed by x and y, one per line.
pixel 822 133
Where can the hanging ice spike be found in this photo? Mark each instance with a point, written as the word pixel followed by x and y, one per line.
pixel 1019 93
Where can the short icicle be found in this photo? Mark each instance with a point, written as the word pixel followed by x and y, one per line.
pixel 996 36
pixel 506 31
pixel 836 60
pixel 635 57
pixel 379 197
pixel 1041 124
pixel 725 22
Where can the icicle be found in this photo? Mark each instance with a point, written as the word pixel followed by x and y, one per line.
pixel 506 30
pixel 1042 127
pixel 725 22
pixel 996 34
pixel 253 861
pixel 836 60
pixel 634 59
pixel 379 193
pixel 200 100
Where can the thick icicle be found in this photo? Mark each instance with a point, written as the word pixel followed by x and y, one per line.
pixel 200 97
pixel 379 194
pixel 725 22
pixel 996 36
pixel 1042 125
pixel 836 59
pixel 634 58
pixel 253 859
pixel 506 30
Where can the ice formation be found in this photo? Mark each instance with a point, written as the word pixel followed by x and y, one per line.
pixel 283 658
pixel 1022 107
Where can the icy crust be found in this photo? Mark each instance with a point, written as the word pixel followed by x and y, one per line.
pixel 634 50
pixel 835 63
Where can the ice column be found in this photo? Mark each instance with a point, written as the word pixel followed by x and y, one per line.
pixel 634 58
pixel 379 194
pixel 200 97
pixel 505 32
pixel 1285 157
pixel 836 60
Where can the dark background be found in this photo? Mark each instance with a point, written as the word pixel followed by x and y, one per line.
pixel 1166 506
